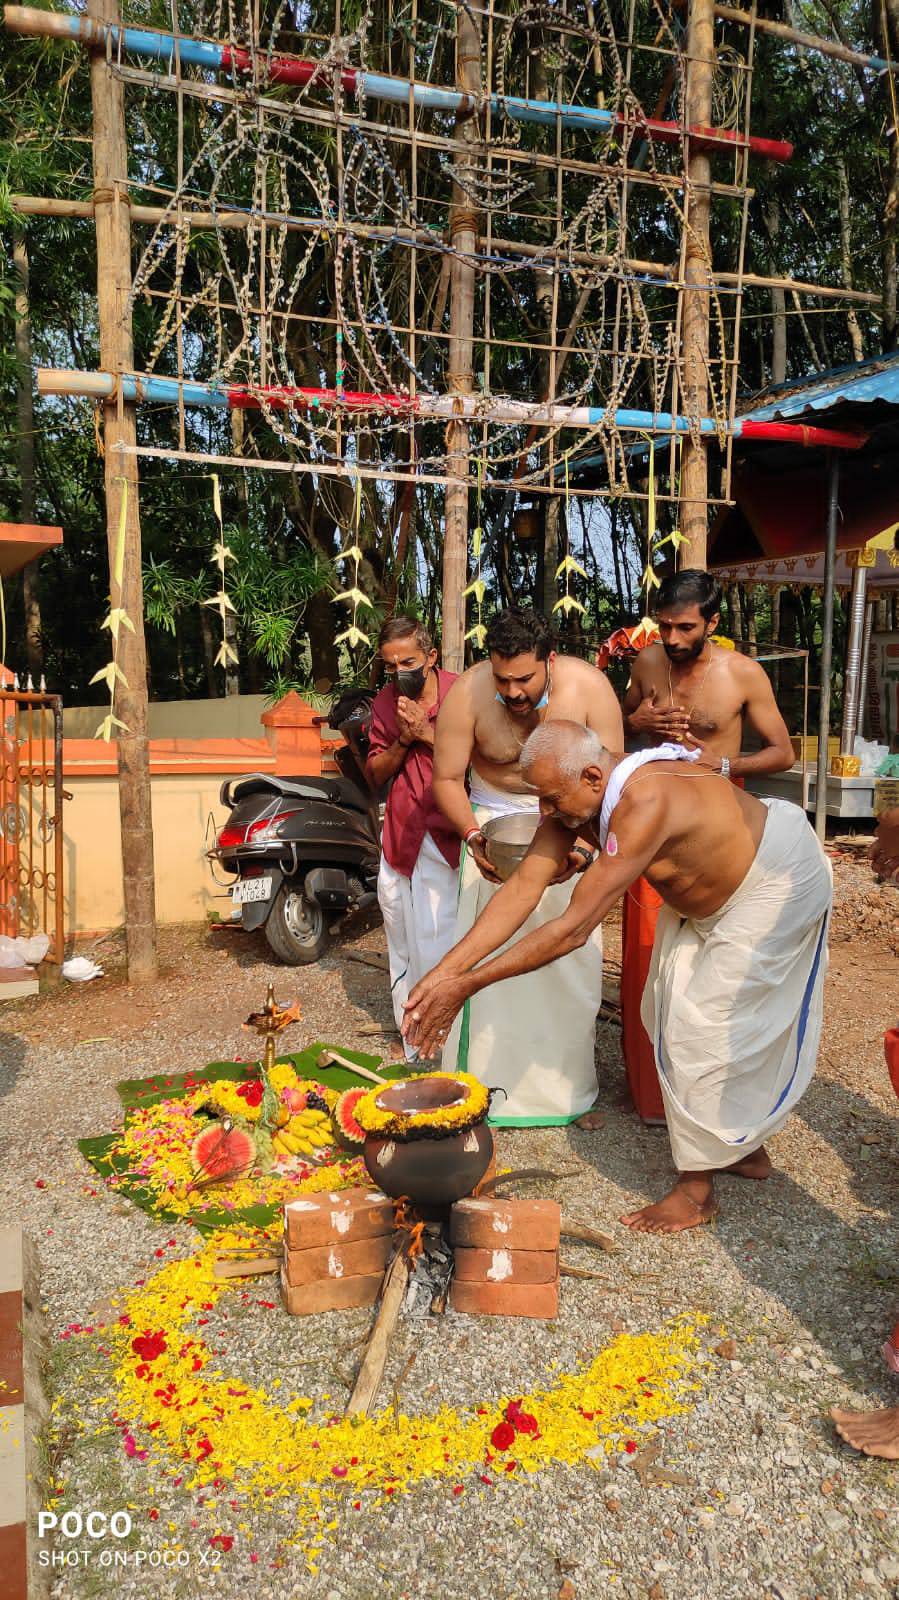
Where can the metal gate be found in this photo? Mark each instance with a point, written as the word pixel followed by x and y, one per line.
pixel 31 830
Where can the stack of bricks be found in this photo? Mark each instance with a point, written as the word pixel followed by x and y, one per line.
pixel 336 1248
pixel 506 1257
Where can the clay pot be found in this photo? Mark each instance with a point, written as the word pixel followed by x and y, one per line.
pixel 431 1171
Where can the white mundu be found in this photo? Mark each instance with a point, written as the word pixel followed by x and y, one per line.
pixel 532 1036
pixel 419 919
pixel 734 1002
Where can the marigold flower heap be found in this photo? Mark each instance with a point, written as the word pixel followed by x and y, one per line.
pixel 441 1121
pixel 184 1407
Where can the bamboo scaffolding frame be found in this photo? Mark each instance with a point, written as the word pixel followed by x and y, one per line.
pixel 36 206
pixel 630 340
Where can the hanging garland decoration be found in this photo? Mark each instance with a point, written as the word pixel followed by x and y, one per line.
pixel 117 619
pixel 221 554
pixel 567 603
pixel 646 629
pixel 354 635
pixel 477 587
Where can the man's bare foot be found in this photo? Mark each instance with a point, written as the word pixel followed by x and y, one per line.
pixel 874 1433
pixel 689 1204
pixel 591 1120
pixel 756 1165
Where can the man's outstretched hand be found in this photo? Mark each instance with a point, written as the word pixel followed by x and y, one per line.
pixel 431 1009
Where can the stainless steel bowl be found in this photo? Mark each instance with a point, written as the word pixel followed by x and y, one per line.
pixel 509 839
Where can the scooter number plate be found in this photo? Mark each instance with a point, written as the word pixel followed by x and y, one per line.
pixel 251 889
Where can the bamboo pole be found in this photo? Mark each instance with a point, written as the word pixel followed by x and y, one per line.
pixel 826 661
pixel 697 273
pixel 27 205
pixel 808 41
pixel 113 229
pixel 460 378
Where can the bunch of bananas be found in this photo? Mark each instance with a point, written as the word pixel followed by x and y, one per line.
pixel 304 1133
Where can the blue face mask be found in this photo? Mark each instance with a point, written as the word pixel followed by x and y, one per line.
pixel 544 698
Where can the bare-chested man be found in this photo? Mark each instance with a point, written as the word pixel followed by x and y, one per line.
pixel 535 1038
pixel 700 694
pixel 734 1000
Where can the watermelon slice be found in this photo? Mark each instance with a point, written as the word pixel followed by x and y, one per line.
pixel 348 1129
pixel 222 1152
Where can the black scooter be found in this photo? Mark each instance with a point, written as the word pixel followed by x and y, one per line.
pixel 306 850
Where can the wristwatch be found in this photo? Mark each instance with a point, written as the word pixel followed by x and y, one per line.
pixel 580 850
pixel 725 766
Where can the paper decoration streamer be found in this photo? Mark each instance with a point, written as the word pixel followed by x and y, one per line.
pixel 117 619
pixel 221 555
pixel 477 587
pixel 353 635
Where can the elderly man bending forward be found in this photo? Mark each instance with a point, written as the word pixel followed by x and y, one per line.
pixel 733 1002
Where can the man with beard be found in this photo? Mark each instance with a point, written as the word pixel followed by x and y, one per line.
pixel 419 851
pixel 693 692
pixel 533 1038
pixel 734 1001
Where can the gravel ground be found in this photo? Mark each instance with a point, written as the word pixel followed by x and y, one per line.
pixel 800 1274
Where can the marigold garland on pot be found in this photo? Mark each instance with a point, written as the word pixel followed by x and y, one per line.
pixel 471 1109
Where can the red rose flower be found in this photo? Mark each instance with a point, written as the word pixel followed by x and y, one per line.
pixel 252 1091
pixel 149 1345
pixel 522 1421
pixel 502 1436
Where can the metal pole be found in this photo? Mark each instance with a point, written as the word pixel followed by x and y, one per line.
pixel 863 672
pixel 113 230
pixel 460 378
pixel 697 274
pixel 852 679
pixel 830 552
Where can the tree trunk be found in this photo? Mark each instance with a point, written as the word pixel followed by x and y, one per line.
pixel 890 228
pixel 25 428
pixel 697 275
pixel 771 219
pixel 319 620
pixel 113 230
pixel 736 612
pixel 207 637
pixel 855 332
pixel 747 606
pixel 460 378
pixel 775 637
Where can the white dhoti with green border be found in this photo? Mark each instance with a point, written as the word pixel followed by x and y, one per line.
pixel 531 1036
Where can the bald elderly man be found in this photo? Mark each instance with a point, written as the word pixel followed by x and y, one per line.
pixel 733 1002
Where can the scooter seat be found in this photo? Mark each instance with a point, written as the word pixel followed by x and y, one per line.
pixel 334 790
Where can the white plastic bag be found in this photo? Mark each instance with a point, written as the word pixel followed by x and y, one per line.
pixel 79 969
pixel 23 952
pixel 871 755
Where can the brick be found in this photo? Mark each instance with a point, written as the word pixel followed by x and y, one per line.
pixel 330 1294
pixel 490 1224
pixel 359 1257
pixel 506 1266
pixel 505 1299
pixel 317 1219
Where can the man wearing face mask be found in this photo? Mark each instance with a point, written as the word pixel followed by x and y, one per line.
pixel 534 1037
pixel 419 850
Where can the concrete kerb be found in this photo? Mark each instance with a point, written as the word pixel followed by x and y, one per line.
pixel 23 1417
